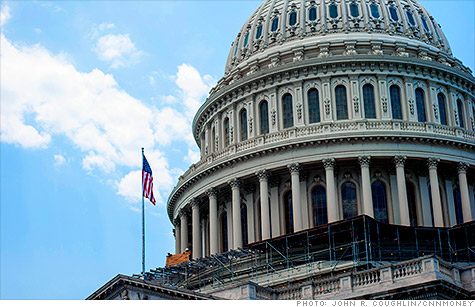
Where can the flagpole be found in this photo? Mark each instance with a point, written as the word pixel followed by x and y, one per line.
pixel 143 225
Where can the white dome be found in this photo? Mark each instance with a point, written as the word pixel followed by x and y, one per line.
pixel 300 23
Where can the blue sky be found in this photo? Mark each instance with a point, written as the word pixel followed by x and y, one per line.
pixel 85 85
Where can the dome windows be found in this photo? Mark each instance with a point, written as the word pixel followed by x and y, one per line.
pixel 292 18
pixel 460 113
pixel 259 32
pixel 421 109
pixel 368 100
pixel 424 24
pixel 333 11
pixel 374 10
pixel 313 106
pixel 264 117
pixel 312 14
pixel 246 39
pixel 275 24
pixel 243 119
pixel 393 13
pixel 227 136
pixel 410 18
pixel 442 109
pixel 354 11
pixel 288 111
pixel 341 104
pixel 395 94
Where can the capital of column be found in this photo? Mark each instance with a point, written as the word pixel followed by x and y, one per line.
pixel 183 213
pixel 399 161
pixel 432 163
pixel 364 161
pixel 462 167
pixel 263 175
pixel 212 192
pixel 195 204
pixel 294 168
pixel 234 183
pixel 177 222
pixel 329 163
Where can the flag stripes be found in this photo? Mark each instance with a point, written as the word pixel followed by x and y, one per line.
pixel 147 181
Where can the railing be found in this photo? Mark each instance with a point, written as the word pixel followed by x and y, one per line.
pixel 324 129
pixel 445 269
pixel 290 294
pixel 407 269
pixel 326 286
pixel 365 278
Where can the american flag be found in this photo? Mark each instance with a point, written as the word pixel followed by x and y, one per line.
pixel 147 180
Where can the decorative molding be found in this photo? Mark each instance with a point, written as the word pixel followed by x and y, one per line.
pixel 328 163
pixel 432 163
pixel 462 167
pixel 234 183
pixel 263 175
pixel 364 161
pixel 294 168
pixel 399 161
pixel 212 192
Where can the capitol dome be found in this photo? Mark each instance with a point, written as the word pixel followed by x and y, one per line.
pixel 330 110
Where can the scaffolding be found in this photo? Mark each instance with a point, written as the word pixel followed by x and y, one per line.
pixel 351 245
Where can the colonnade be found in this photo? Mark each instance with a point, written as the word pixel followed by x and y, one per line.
pixel 299 207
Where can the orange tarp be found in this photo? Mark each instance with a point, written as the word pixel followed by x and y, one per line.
pixel 178 258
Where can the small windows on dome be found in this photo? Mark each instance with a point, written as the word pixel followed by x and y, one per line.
pixel 246 39
pixel 410 18
pixel 354 11
pixel 374 10
pixel 292 18
pixel 333 11
pixel 237 47
pixel 393 13
pixel 312 14
pixel 259 32
pixel 275 24
pixel 436 31
pixel 424 23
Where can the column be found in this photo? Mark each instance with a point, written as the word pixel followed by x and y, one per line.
pixel 332 209
pixel 213 221
pixel 177 237
pixel 264 195
pixel 466 209
pixel 304 200
pixel 195 222
pixel 184 230
pixel 435 192
pixel 236 205
pixel 401 190
pixel 296 207
pixel 366 185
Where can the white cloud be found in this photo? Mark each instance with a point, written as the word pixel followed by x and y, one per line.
pixel 118 49
pixel 4 15
pixel 59 160
pixel 96 31
pixel 192 156
pixel 38 31
pixel 170 99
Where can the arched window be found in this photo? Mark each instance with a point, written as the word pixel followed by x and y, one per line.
pixel 243 119
pixel 226 132
pixel 319 205
pixel 458 206
pixel 224 231
pixel 411 202
pixel 313 106
pixel 244 224
pixel 354 11
pixel 368 100
pixel 421 107
pixel 275 24
pixel 341 104
pixel 380 205
pixel 213 140
pixel 442 109
pixel 393 13
pixel 460 111
pixel 288 211
pixel 333 10
pixel 374 10
pixel 288 111
pixel 410 17
pixel 292 18
pixel 259 32
pixel 246 39
pixel 312 14
pixel 424 23
pixel 395 94
pixel 264 117
pixel 348 196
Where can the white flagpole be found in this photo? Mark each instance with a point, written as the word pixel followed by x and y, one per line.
pixel 143 225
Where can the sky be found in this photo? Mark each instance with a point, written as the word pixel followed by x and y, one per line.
pixel 85 85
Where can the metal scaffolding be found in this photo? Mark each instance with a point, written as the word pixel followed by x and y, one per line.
pixel 351 245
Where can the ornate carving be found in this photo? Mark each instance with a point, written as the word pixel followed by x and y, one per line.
pixel 364 160
pixel 298 56
pixel 250 124
pixel 411 106
pixel 234 183
pixel 399 161
pixel 376 50
pixel 299 111
pixel 347 175
pixel 356 104
pixel 263 175
pixel 401 51
pixel 294 168
pixel 384 101
pixel 212 192
pixel 326 102
pixel 231 135
pixel 324 52
pixel 273 115
pixel 329 163
pixel 378 175
pixel 195 203
pixel 432 163
pixel 462 167
pixel 317 179
pixel 436 110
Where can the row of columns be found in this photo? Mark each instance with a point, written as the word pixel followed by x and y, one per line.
pixel 298 216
